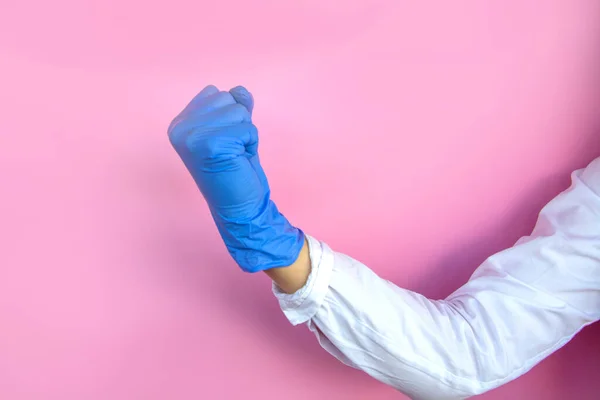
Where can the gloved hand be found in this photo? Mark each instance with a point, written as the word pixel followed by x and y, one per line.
pixel 215 138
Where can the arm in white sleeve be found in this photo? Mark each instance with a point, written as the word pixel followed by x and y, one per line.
pixel 519 306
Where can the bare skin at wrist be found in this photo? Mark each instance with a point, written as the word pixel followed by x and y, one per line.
pixel 293 277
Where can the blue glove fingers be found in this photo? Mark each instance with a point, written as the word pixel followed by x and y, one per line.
pixel 219 144
pixel 193 113
pixel 243 97
pixel 232 114
pixel 212 102
pixel 204 93
pixel 217 161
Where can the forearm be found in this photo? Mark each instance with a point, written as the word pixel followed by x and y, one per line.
pixel 519 306
pixel 293 277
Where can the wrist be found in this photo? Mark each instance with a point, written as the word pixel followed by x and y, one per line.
pixel 292 278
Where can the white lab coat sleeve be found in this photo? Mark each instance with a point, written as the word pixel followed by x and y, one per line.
pixel 519 306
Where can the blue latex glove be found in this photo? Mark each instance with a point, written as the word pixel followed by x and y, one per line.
pixel 215 138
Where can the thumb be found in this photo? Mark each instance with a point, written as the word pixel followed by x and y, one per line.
pixel 243 97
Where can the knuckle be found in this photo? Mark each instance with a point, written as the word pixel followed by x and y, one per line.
pixel 240 92
pixel 222 99
pixel 240 112
pixel 203 144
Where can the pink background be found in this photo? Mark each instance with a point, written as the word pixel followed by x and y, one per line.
pixel 441 126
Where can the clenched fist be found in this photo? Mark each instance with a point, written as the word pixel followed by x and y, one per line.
pixel 218 143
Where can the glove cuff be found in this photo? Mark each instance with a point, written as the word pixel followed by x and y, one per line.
pixel 267 241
